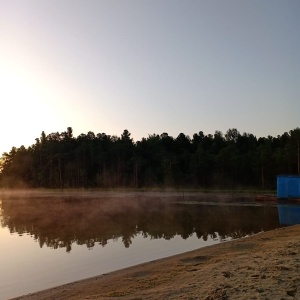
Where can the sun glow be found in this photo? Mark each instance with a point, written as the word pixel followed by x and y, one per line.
pixel 24 106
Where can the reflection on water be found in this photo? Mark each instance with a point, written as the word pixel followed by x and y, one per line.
pixel 289 214
pixel 54 240
pixel 59 223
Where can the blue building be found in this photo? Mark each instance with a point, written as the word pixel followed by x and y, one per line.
pixel 288 186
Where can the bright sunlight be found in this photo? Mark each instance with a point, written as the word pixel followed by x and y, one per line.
pixel 25 106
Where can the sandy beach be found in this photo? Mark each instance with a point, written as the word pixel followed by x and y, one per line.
pixel 262 266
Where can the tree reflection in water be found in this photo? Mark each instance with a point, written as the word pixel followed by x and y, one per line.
pixel 60 222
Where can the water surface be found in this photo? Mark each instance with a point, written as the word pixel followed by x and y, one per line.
pixel 51 240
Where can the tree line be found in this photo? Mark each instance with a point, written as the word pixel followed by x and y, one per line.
pixel 230 160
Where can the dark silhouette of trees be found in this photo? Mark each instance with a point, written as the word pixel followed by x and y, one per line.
pixel 230 160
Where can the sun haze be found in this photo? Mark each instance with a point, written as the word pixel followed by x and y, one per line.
pixel 148 66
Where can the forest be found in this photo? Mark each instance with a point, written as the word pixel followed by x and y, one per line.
pixel 213 161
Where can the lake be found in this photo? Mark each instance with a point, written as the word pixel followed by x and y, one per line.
pixel 52 238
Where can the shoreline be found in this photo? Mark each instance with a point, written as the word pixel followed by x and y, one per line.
pixel 262 266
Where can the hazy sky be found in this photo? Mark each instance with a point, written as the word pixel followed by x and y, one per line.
pixel 149 66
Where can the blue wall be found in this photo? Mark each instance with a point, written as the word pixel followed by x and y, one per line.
pixel 288 186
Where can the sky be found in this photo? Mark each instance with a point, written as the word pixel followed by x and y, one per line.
pixel 148 66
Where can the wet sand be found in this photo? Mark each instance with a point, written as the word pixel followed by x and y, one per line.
pixel 263 266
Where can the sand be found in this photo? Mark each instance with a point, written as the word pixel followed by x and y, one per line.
pixel 263 266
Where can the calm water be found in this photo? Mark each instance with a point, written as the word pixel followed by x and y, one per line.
pixel 51 240
pixel 289 213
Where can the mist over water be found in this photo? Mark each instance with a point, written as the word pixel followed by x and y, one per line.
pixel 59 238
